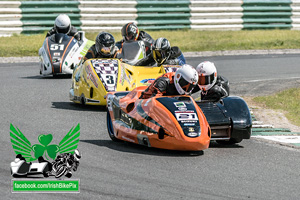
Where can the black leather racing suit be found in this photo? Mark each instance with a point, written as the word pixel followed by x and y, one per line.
pixel 219 90
pixel 176 58
pixel 73 32
pixel 164 86
pixel 92 53
pixel 145 37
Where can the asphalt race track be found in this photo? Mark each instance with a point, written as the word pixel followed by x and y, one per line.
pixel 254 169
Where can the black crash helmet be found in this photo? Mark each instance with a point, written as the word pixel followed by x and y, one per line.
pixel 161 50
pixel 130 32
pixel 105 43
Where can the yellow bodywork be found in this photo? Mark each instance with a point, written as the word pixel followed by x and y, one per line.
pixel 92 80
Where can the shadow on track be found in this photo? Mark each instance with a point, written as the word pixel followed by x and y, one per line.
pixel 78 107
pixel 214 144
pixel 139 149
pixel 24 177
pixel 63 76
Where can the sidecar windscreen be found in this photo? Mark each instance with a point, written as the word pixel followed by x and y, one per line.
pixel 130 50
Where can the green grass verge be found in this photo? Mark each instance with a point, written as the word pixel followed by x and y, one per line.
pixel 288 101
pixel 187 40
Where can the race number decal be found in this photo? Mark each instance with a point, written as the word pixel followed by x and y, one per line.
pixel 55 47
pixel 186 116
pixel 133 29
pixel 107 71
pixel 109 79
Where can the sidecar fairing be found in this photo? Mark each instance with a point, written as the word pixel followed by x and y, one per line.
pixel 229 119
pixel 167 122
pixel 60 53
pixel 94 78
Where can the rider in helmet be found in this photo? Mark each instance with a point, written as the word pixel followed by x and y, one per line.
pixel 181 82
pixel 213 87
pixel 130 32
pixel 63 25
pixel 163 53
pixel 104 47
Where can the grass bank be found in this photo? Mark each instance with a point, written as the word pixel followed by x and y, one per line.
pixel 187 40
pixel 287 101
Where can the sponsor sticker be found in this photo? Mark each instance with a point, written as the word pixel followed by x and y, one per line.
pixel 179 104
pixel 182 108
pixel 191 129
pixel 147 81
pixel 193 134
pixel 189 124
pixel 90 75
pixel 126 119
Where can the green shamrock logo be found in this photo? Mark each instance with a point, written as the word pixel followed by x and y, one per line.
pixel 39 149
pixel 22 145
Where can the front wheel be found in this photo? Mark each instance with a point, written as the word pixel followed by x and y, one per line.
pixel 229 142
pixel 110 128
pixel 61 170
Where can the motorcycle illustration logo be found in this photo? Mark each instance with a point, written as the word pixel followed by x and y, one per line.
pixel 65 155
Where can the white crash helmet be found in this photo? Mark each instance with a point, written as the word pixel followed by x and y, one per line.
pixel 62 24
pixel 207 75
pixel 186 78
pixel 77 155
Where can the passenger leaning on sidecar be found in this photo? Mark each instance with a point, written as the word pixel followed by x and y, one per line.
pixel 62 24
pixel 130 32
pixel 104 47
pixel 163 54
pixel 181 82
pixel 213 87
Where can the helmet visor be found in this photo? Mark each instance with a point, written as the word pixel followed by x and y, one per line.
pixel 105 49
pixel 160 55
pixel 64 30
pixel 185 85
pixel 206 80
pixel 129 37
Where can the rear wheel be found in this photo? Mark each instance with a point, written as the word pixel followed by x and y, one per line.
pixel 110 128
pixel 229 142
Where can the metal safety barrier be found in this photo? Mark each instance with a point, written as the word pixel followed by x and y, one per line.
pixel 217 15
pixel 10 15
pixel 266 14
pixel 106 15
pixel 97 15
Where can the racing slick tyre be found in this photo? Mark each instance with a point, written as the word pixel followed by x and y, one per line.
pixel 110 128
pixel 229 142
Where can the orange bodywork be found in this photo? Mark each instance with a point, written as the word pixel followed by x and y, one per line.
pixel 149 122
